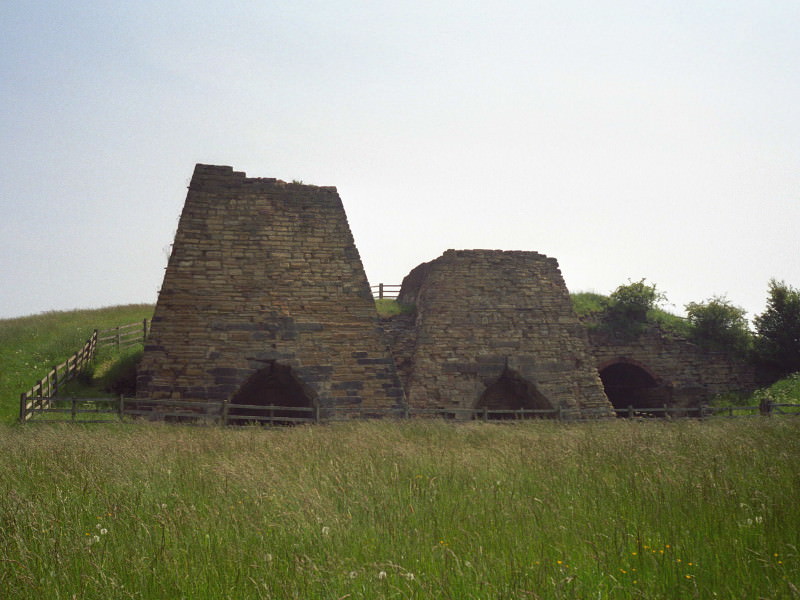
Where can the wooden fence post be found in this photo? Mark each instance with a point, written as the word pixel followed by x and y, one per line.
pixel 74 402
pixel 121 406
pixel 224 412
pixel 380 291
pixel 316 413
pixel 23 407
pixel 630 411
pixel 144 331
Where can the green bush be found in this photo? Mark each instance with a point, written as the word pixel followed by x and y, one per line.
pixel 778 329
pixel 718 324
pixel 629 307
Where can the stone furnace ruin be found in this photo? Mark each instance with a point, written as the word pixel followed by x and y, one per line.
pixel 496 330
pixel 265 302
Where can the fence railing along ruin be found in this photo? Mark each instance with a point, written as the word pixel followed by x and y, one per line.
pixel 124 336
pixel 40 395
pixel 96 410
pixel 385 291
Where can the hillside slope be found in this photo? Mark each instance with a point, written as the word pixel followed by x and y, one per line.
pixel 30 346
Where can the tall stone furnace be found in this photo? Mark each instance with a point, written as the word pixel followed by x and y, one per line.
pixel 265 301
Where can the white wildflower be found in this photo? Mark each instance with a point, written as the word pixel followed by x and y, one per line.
pixel 326 530
pixel 382 575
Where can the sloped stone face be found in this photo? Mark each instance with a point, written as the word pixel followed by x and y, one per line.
pixel 482 315
pixel 266 272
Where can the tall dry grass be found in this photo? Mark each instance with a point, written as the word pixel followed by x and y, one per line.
pixel 402 510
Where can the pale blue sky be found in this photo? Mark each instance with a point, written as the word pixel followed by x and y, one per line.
pixel 626 139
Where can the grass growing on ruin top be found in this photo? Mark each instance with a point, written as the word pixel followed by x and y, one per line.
pixel 420 509
pixel 590 308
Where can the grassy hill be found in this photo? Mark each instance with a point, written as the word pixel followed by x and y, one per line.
pixel 31 346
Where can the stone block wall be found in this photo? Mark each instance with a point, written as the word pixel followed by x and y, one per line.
pixel 684 374
pixel 265 281
pixel 488 316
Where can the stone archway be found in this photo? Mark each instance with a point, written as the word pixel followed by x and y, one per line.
pixel 510 392
pixel 628 384
pixel 274 385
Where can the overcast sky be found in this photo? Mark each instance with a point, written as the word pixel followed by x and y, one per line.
pixel 627 139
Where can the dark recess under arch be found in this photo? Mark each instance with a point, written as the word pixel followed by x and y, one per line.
pixel 511 392
pixel 274 385
pixel 629 385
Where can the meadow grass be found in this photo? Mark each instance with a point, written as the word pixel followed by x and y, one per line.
pixel 30 346
pixel 417 509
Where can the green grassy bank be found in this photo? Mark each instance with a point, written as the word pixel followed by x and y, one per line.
pixel 402 510
pixel 31 346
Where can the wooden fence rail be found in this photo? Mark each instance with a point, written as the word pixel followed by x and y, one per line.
pixel 47 387
pixel 94 410
pixel 43 391
pixel 124 336
pixel 385 290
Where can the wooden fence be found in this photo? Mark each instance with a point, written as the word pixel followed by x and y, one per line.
pixel 47 387
pixel 385 290
pixel 95 410
pixel 124 336
pixel 41 395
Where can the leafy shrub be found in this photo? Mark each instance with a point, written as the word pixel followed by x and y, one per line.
pixel 718 324
pixel 628 308
pixel 778 329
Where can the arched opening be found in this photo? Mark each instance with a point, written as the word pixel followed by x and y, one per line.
pixel 274 385
pixel 630 386
pixel 507 395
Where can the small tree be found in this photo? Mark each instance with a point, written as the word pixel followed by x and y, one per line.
pixel 626 313
pixel 778 329
pixel 718 324
pixel 633 301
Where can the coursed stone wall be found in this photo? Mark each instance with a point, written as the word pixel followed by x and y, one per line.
pixel 489 316
pixel 685 375
pixel 265 278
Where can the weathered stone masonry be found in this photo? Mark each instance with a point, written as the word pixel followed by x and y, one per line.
pixel 496 329
pixel 265 302
pixel 658 368
pixel 265 287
